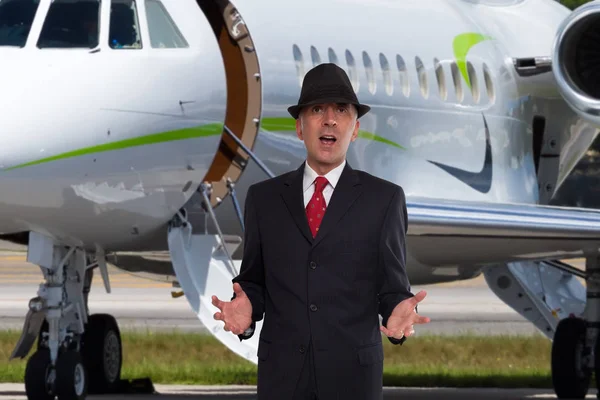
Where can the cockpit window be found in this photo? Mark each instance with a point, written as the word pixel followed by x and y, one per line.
pixel 16 17
pixel 124 25
pixel 71 24
pixel 163 31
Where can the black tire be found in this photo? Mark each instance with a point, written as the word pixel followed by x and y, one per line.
pixel 102 353
pixel 570 377
pixel 36 375
pixel 71 376
pixel 597 364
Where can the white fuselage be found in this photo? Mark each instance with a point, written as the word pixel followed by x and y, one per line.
pixel 115 185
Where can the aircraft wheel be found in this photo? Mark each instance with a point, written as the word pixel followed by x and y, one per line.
pixel 71 376
pixel 37 372
pixel 597 364
pixel 102 353
pixel 570 374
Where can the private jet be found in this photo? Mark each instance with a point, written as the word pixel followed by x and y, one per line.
pixel 132 130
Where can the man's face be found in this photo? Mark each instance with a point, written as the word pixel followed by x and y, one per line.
pixel 327 130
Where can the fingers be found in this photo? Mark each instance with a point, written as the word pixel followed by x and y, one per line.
pixel 219 316
pixel 228 327
pixel 395 334
pixel 218 303
pixel 236 330
pixel 386 331
pixel 419 297
pixel 237 288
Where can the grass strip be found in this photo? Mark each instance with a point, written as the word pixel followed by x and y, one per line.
pixel 449 361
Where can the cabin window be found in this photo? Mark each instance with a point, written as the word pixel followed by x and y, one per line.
pixel 71 24
pixel 314 54
pixel 489 86
pixel 369 71
pixel 299 61
pixel 473 80
pixel 403 75
pixel 333 57
pixel 387 77
pixel 124 32
pixel 352 74
pixel 441 78
pixel 422 74
pixel 456 78
pixel 16 17
pixel 164 33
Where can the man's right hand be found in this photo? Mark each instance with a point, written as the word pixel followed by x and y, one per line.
pixel 237 313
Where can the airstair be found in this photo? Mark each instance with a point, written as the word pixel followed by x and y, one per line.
pixel 204 265
pixel 541 292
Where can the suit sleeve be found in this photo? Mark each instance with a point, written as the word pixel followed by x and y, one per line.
pixel 251 277
pixel 393 283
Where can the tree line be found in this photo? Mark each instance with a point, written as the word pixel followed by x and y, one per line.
pixel 572 4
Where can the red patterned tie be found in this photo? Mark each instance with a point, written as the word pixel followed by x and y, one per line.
pixel 315 209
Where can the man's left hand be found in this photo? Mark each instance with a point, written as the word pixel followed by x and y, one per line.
pixel 403 317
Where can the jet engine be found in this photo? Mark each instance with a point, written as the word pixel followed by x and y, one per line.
pixel 576 61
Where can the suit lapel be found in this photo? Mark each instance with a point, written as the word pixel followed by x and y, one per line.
pixel 294 199
pixel 345 193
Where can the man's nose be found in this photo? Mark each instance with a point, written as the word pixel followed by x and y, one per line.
pixel 329 117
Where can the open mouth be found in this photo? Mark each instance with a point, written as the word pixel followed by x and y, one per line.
pixel 327 139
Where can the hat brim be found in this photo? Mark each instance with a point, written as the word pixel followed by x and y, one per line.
pixel 362 109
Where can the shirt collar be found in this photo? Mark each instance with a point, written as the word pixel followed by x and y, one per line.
pixel 332 176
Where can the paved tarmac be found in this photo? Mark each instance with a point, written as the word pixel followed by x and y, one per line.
pixel 168 392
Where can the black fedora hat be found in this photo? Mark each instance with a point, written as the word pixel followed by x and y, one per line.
pixel 327 83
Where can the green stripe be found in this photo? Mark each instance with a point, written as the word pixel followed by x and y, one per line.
pixel 289 124
pixel 278 124
pixel 180 134
pixel 461 45
pixel 374 137
pixel 272 124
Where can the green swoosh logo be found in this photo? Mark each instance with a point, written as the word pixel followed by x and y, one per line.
pixel 461 45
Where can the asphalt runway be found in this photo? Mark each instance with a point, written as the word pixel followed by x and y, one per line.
pixel 167 392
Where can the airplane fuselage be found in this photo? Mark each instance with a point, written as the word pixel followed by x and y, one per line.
pixel 115 141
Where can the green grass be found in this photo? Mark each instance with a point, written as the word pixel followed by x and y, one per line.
pixel 465 361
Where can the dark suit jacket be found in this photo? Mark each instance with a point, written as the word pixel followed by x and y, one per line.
pixel 326 291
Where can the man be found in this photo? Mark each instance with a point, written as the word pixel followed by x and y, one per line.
pixel 324 254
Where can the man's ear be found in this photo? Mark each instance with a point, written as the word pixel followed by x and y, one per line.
pixel 356 128
pixel 299 129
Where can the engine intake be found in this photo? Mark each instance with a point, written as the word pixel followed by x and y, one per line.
pixel 576 64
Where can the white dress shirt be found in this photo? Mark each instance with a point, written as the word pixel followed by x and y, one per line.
pixel 310 175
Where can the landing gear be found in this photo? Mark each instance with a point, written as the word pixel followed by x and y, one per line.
pixel 570 360
pixel 102 353
pixel 39 376
pixel 71 376
pixel 70 344
pixel 575 352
